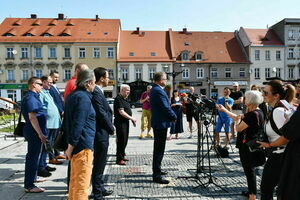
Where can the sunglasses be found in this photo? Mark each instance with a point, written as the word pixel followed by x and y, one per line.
pixel 40 84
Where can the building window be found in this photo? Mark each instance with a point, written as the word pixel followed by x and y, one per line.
pixel 96 52
pixel 291 53
pixel 12 94
pixel 124 74
pixel 267 72
pixel 291 72
pixel 25 75
pixel 39 73
pixel 10 75
pixel 153 54
pixel 185 56
pixel 227 72
pixel 278 55
pixel 242 72
pixel 9 53
pixel 291 34
pixel 214 72
pixel 257 54
pixel 256 73
pixel 38 52
pixel 278 72
pixel 111 74
pixel 186 73
pixel 131 53
pixel 138 74
pixel 67 74
pixel 200 73
pixel 52 52
pixel 151 73
pixel 110 52
pixel 198 56
pixel 267 55
pixel 81 53
pixel 67 51
pixel 24 52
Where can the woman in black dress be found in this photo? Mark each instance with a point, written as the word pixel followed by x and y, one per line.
pixel 176 104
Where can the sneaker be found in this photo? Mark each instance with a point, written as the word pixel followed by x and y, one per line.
pixel 149 135
pixel 141 136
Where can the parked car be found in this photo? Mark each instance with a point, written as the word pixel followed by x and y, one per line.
pixel 110 101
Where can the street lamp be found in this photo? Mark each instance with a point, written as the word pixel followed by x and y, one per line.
pixel 173 74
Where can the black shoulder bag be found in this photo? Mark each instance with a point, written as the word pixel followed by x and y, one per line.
pixel 19 129
pixel 60 141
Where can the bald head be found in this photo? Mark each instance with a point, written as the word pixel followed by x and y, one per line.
pixel 80 67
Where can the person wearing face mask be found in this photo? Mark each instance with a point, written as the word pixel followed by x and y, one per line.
pixel 123 115
pixel 35 132
pixel 80 127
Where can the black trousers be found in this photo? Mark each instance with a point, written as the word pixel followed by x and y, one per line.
pixel 52 135
pixel 122 131
pixel 271 175
pixel 249 170
pixel 101 144
pixel 160 136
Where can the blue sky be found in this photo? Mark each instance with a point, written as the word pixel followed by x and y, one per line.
pixel 196 15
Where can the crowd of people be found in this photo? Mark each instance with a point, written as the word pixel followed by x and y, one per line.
pixel 87 119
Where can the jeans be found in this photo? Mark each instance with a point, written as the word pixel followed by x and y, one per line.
pixel 32 158
pixel 43 157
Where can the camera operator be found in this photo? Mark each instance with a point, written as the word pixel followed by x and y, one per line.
pixel 192 110
pixel 223 118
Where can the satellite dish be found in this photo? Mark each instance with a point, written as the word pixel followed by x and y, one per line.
pixel 14 52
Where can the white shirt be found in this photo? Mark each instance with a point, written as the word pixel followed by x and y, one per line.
pixel 100 88
pixel 279 119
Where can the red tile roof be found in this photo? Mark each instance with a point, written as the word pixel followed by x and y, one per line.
pixel 216 47
pixel 66 30
pixel 142 44
pixel 263 37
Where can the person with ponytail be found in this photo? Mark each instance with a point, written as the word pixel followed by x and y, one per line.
pixel 273 92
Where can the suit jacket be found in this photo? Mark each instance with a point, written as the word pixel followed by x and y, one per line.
pixel 162 114
pixel 57 99
pixel 104 123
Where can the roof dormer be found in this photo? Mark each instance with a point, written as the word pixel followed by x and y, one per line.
pixel 185 55
pixel 53 23
pixel 66 32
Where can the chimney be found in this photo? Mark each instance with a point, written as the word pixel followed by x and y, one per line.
pixel 33 16
pixel 137 30
pixel 97 17
pixel 184 30
pixel 60 16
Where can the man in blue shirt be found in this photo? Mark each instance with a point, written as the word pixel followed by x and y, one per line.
pixel 223 118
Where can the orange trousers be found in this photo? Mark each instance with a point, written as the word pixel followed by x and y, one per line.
pixel 81 171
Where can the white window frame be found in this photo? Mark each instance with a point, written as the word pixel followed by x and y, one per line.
pixel 184 56
pixel 185 73
pixel 257 73
pixel 242 71
pixel 227 72
pixel 24 52
pixel 81 52
pixel 200 73
pixel 65 52
pixel 38 73
pixel 278 72
pixel 9 52
pixel 214 72
pixel 96 52
pixel 267 72
pixel 278 55
pixel 124 74
pixel 110 52
pixel 151 73
pixel 291 53
pixel 138 74
pixel 257 54
pixel 52 52
pixel 291 72
pixel 196 56
pixel 10 74
pixel 24 74
pixel 37 52
pixel 267 55
pixel 67 74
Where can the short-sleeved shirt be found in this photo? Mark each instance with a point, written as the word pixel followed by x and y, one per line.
pixel 49 106
pixel 121 103
pixel 71 86
pixel 221 101
pixel 31 103
pixel 146 104
pixel 236 95
pixel 254 120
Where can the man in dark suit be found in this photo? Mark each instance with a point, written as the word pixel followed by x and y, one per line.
pixel 104 128
pixel 162 116
pixel 55 92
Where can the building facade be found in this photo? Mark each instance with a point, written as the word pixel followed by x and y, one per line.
pixel 288 31
pixel 266 53
pixel 36 46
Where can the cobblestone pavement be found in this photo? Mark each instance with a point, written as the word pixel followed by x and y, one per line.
pixel 134 181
